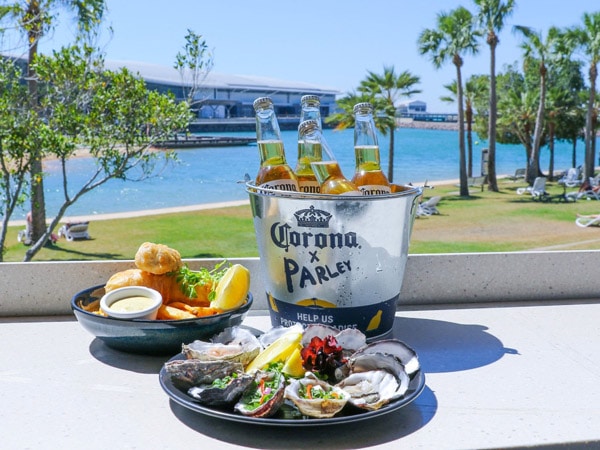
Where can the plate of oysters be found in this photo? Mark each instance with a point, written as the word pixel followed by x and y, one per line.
pixel 293 376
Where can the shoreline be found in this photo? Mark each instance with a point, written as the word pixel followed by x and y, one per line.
pixel 177 209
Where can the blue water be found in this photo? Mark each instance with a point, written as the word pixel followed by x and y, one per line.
pixel 209 175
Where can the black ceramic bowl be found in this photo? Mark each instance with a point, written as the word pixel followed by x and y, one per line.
pixel 150 337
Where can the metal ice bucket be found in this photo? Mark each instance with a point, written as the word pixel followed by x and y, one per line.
pixel 331 259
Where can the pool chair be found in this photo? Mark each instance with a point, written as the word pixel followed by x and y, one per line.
pixel 537 190
pixel 74 231
pixel 587 221
pixel 571 178
pixel 429 207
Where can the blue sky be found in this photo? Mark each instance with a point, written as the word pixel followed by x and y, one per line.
pixel 329 43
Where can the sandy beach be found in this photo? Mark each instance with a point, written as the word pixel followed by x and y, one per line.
pixel 176 209
pixel 142 213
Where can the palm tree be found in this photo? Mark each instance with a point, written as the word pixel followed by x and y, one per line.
pixel 538 51
pixel 473 90
pixel 588 38
pixel 35 19
pixel 454 36
pixel 491 15
pixel 389 87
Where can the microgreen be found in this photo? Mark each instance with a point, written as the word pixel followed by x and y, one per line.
pixel 189 279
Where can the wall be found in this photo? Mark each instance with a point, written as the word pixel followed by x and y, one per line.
pixel 30 289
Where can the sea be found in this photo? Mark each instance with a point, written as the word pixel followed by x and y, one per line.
pixel 210 175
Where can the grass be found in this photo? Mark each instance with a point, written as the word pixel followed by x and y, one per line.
pixel 483 222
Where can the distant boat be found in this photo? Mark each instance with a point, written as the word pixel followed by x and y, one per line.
pixel 204 141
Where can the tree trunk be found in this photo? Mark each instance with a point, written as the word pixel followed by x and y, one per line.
pixel 551 148
pixel 464 183
pixel 493 116
pixel 534 158
pixel 391 156
pixel 590 132
pixel 469 119
pixel 38 205
pixel 574 160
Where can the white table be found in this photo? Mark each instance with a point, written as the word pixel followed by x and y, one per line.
pixel 496 376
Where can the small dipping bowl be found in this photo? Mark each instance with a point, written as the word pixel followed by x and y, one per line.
pixel 136 302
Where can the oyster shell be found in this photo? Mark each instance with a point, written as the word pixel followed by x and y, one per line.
pixel 265 397
pixel 350 339
pixel 315 406
pixel 370 390
pixel 193 372
pixel 232 344
pixel 375 379
pixel 225 393
pixel 406 355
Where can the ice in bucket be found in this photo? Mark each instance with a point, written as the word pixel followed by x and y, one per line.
pixel 335 260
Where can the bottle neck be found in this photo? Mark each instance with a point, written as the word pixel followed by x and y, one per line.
pixel 271 152
pixel 311 113
pixel 364 130
pixel 367 157
pixel 267 126
pixel 324 170
pixel 310 149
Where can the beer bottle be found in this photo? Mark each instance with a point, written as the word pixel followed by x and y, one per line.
pixel 368 176
pixel 326 170
pixel 309 151
pixel 274 172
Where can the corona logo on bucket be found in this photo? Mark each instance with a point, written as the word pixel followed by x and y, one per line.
pixel 333 260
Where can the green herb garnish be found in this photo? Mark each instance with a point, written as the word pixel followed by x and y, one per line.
pixel 222 383
pixel 189 279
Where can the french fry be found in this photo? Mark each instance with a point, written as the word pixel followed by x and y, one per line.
pixel 198 311
pixel 166 312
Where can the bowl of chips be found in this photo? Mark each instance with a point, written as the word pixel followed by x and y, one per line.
pixel 196 304
pixel 150 337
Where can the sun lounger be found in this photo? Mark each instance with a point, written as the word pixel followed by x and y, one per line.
pixel 74 231
pixel 588 221
pixel 519 174
pixel 537 189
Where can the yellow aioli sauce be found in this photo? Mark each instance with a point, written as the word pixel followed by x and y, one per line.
pixel 131 304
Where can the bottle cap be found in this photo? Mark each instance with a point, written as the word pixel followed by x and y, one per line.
pixel 308 126
pixel 363 108
pixel 262 102
pixel 312 100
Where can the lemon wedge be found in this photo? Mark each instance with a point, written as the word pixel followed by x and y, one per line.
pixel 293 365
pixel 232 289
pixel 279 350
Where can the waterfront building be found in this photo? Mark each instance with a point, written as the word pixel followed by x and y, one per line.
pixel 223 102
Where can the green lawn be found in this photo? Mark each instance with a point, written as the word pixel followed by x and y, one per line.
pixel 483 222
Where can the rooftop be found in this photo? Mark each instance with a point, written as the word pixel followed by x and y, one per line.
pixel 170 76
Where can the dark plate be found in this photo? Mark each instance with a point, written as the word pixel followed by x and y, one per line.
pixel 348 414
pixel 150 337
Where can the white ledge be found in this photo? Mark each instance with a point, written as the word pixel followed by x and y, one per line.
pixel 46 288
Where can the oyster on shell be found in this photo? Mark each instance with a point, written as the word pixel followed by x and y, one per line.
pixel 406 355
pixel 232 344
pixel 185 373
pixel 375 379
pixel 350 339
pixel 264 397
pixel 222 391
pixel 319 406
